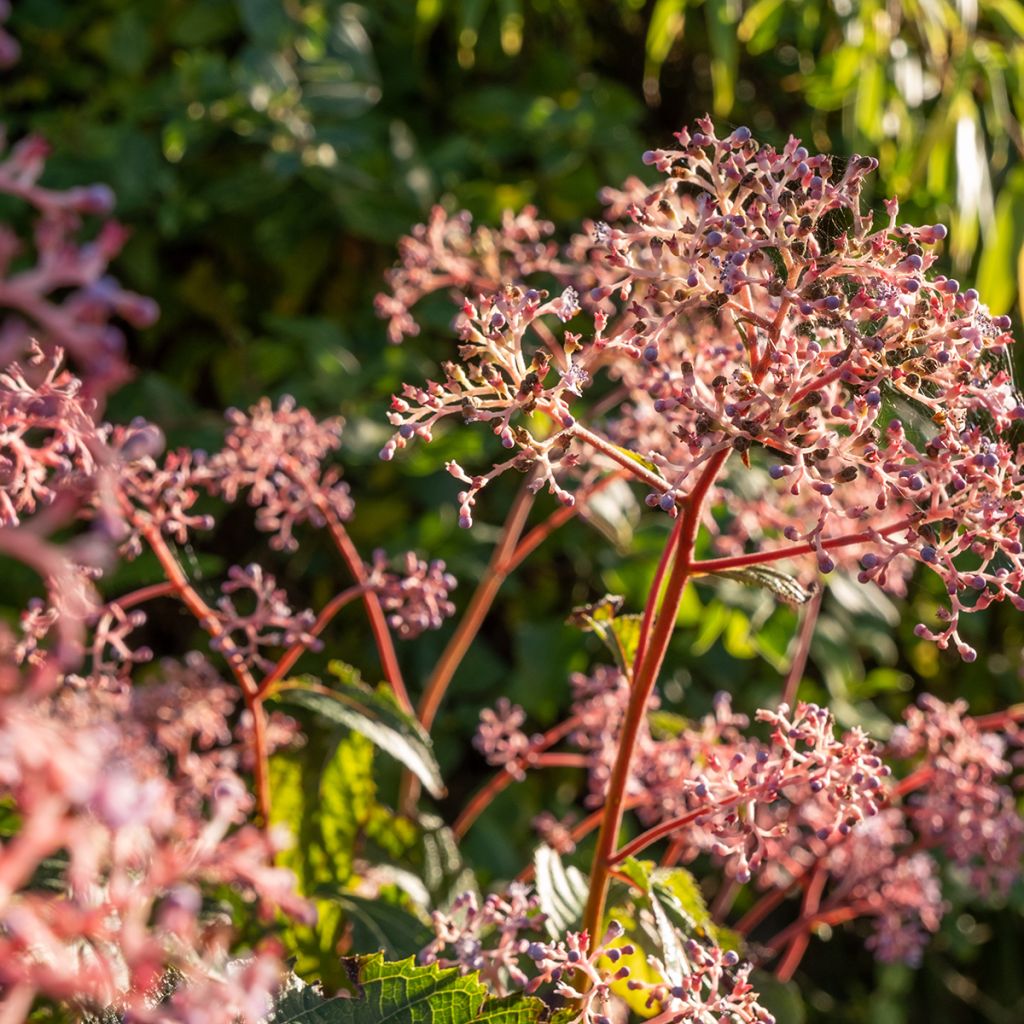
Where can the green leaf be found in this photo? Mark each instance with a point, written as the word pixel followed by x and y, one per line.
pixel 562 891
pixel 404 993
pixel 779 584
pixel 721 22
pixel 347 797
pixel 668 20
pixel 372 714
pixel 637 457
pixel 386 927
pixel 758 26
pixel 444 872
pixel 996 280
pixel 620 633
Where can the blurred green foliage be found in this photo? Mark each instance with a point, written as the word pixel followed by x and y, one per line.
pixel 267 156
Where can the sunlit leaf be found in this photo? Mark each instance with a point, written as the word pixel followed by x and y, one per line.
pixel 405 993
pixel 668 21
pixel 366 711
pixel 779 584
pixel 562 891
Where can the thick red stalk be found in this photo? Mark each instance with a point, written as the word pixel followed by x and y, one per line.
pixel 644 677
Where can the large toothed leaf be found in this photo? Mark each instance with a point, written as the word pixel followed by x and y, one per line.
pixel 357 707
pixel 404 993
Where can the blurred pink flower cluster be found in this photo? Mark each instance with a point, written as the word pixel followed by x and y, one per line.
pixel 134 792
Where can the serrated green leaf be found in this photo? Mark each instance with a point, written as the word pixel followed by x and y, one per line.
pixel 390 993
pixel 402 992
pixel 365 711
pixel 514 1009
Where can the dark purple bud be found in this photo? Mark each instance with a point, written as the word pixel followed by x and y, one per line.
pixel 666 503
pixel 713 239
pixel 929 554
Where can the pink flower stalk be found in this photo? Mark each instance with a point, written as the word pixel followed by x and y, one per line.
pixel 446 253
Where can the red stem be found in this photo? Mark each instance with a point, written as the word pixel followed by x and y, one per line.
pixel 803 647
pixel 374 612
pixel 479 605
pixel 644 678
pixel 763 557
pixel 801 939
pixel 481 800
pixel 292 655
pixel 143 594
pixel 208 620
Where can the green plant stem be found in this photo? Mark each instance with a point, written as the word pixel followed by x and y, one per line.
pixel 644 677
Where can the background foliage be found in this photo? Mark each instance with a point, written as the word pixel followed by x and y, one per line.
pixel 267 157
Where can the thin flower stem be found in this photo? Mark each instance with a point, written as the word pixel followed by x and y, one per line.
pixel 580 832
pixel 374 612
pixel 144 594
pixel 504 778
pixel 479 605
pixel 208 620
pixel 292 655
pixel 831 916
pixel 644 677
pixel 763 557
pixel 803 647
pixel 558 518
pixel 652 835
pixel 801 939
pixel 623 458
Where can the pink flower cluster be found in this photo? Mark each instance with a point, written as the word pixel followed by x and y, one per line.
pixel 748 303
pixel 415 599
pixel 55 289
